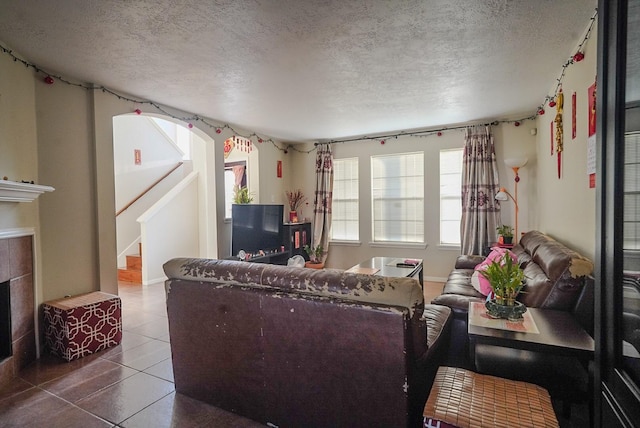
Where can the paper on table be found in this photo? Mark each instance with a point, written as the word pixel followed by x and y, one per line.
pixel 478 317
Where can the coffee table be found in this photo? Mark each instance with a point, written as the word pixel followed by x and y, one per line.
pixel 387 266
pixel 559 334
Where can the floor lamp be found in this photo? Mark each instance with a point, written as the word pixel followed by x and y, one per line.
pixel 503 195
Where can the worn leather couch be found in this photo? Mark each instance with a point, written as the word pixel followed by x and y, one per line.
pixel 556 277
pixel 302 347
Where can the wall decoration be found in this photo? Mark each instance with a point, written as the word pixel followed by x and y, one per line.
pixel 591 140
pixel 229 144
pixel 279 169
pixel 137 156
pixel 559 129
pixel 573 115
pixel 592 109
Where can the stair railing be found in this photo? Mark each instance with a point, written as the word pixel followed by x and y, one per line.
pixel 148 189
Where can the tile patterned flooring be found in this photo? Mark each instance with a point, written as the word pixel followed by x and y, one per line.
pixel 130 385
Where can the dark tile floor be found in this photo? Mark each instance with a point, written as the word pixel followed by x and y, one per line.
pixel 130 385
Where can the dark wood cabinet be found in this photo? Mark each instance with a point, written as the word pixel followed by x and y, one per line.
pixel 296 236
pixel 617 303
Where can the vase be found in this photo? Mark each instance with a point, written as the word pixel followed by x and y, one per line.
pixel 511 312
pixel 293 217
pixel 508 240
pixel 313 265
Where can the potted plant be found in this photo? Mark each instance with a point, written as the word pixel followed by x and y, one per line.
pixel 506 232
pixel 506 279
pixel 295 198
pixel 315 256
pixel 241 195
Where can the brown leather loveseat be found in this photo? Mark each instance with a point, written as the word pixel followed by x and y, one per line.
pixel 302 347
pixel 556 277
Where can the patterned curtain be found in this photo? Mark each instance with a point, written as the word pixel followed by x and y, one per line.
pixel 480 210
pixel 323 198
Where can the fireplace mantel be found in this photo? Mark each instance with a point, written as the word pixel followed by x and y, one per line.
pixel 13 191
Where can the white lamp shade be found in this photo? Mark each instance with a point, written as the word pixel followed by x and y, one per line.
pixel 515 162
pixel 501 196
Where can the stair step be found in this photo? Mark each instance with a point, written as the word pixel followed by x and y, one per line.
pixel 134 262
pixel 128 275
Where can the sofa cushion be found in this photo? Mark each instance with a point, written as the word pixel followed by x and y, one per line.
pixel 537 286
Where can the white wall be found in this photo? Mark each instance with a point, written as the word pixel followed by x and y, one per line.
pixel 566 205
pixel 159 155
pixel 165 238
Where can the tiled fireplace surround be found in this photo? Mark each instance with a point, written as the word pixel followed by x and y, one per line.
pixel 16 268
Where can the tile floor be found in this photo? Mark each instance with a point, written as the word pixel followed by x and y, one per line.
pixel 130 385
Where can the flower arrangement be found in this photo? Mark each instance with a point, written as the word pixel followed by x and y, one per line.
pixel 296 198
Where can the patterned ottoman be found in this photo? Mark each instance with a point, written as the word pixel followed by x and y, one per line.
pixel 81 325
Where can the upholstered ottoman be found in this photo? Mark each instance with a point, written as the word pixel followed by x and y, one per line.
pixel 81 325
pixel 464 399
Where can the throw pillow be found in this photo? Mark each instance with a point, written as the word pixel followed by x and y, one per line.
pixel 478 281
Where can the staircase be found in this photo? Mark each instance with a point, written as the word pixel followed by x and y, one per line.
pixel 133 272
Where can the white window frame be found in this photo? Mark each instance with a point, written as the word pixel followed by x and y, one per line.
pixel 398 197
pixel 450 176
pixel 342 198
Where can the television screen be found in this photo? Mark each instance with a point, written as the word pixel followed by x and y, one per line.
pixel 256 227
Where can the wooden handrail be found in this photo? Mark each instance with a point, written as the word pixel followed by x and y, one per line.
pixel 148 189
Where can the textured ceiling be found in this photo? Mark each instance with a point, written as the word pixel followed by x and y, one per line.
pixel 308 70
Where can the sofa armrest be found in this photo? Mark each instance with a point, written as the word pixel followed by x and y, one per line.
pixel 468 261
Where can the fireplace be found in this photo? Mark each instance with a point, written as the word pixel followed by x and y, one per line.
pixel 17 307
pixel 5 320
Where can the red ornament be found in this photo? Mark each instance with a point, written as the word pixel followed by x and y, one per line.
pixel 541 111
pixel 218 130
pixel 137 111
pixel 552 103
pixel 190 125
pixel 579 56
pixel 260 140
pixel 516 123
pixel 48 80
pixel 382 142
pixel 439 133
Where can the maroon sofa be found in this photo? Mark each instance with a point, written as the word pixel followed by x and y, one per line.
pixel 303 347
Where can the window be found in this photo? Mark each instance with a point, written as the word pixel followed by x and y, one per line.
pixel 234 173
pixel 397 193
pixel 632 192
pixel 450 196
pixel 345 208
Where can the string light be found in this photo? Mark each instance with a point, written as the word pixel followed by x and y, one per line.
pixel 49 79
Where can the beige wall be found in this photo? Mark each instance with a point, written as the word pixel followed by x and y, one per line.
pixel 72 134
pixel 567 205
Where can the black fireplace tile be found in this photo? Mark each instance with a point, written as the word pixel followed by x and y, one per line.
pixel 5 272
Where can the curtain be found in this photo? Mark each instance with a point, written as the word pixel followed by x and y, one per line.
pixel 323 197
pixel 238 173
pixel 480 210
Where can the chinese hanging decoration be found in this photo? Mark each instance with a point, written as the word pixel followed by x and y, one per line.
pixel 240 143
pixel 559 130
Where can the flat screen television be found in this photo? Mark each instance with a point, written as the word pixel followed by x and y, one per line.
pixel 256 227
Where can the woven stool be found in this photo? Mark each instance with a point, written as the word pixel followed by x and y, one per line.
pixel 462 398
